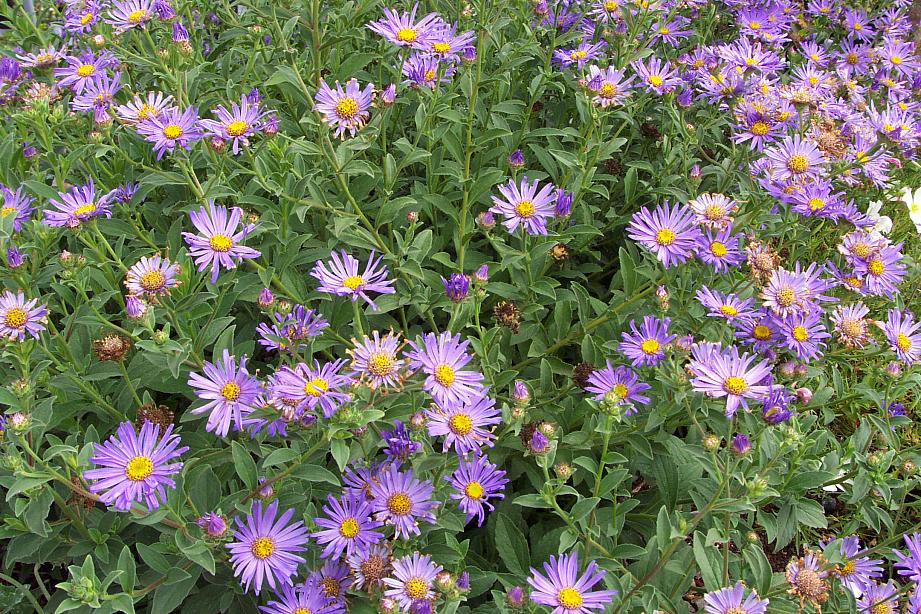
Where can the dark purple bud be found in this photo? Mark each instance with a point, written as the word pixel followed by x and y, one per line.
pixel 388 95
pixel 539 443
pixel 212 524
pixel 463 581
pixel 180 34
pixel 515 597
pixel 163 9
pixel 135 307
pixel 516 159
pixel 457 286
pixel 563 203
pixel 482 274
pixel 28 151
pixel 486 220
pixel 254 97
pixel 14 257
pixel 266 298
pixel 741 444
pixel 685 97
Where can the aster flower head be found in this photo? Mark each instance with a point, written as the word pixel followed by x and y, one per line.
pixel 332 581
pixel 401 500
pixel 447 43
pixel 266 547
pixel 619 386
pixel 804 335
pixel 399 442
pixel 374 359
pixel 135 466
pixel 289 332
pixel 424 70
pixel 152 276
pixel 646 345
pixel 301 598
pixel 786 293
pixel 795 157
pixel 465 427
pixel 565 590
pixel 311 387
pixel 883 271
pixel 80 70
pixel 851 325
pixel 442 358
pixel 475 482
pixel 171 128
pixel 909 565
pixel 526 204
pixel 904 335
pixel 346 109
pixel 713 210
pixel 457 286
pixel 16 206
pixel 412 578
pixel 733 600
pixel 370 566
pixel 732 376
pixel 579 55
pixel 726 306
pixel 44 57
pixel 347 527
pixel 879 598
pixel 237 124
pixel 656 75
pixel 77 205
pixel 219 242
pixel 127 14
pixel 668 232
pixel 140 107
pixel 808 579
pixel 97 97
pixel 775 406
pixel 608 85
pixel 229 392
pixel 340 276
pixel 857 571
pixel 81 19
pixel 402 29
pixel 719 249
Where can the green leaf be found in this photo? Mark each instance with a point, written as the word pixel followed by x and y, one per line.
pixel 512 546
pixel 708 562
pixel 128 568
pixel 244 464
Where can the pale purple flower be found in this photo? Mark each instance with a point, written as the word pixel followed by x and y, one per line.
pixel 219 242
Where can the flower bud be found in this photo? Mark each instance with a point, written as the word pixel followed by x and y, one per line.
pixel 741 444
pixel 804 395
pixel 213 525
pixel 801 370
pixel 412 216
pixel 14 257
pixel 515 598
pixel 516 159
pixel 788 368
pixel 756 487
pixel 444 580
pixel 711 442
pixel 265 491
pixel 752 538
pixel 457 287
pixel 520 393
pixel 563 470
pixel 160 337
pixel 99 40
pixel 894 369
pixel 19 421
pixel 388 95
pixel 283 307
pixel 266 298
pixel 481 275
pixel 417 421
pixel 387 605
pixel 486 220
pixel 563 206
pixel 135 307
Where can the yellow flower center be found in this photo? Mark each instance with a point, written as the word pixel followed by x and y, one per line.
pixel 525 208
pixel 714 212
pixel 851 58
pixel 43 58
pixel 760 128
pixel 852 328
pixel 736 611
pixel 262 547
pixel 650 346
pixel 728 310
pixel 381 364
pixel 85 70
pixel 87 17
pixel 903 342
pixel 230 391
pixel 848 568
pixel 444 375
pixel 734 385
pixel 569 598
pixel 415 588
pixel 353 282
pixel 348 528
pixel 718 249
pixel 460 424
pixel 610 5
pixel 220 243
pixel 347 108
pixel 139 468
pixel 441 47
pixel 237 128
pixel 786 296
pixel 136 17
pixel 858 26
pixel 800 333
pixel 172 131
pixel 331 588
pixel 607 90
pixel 883 607
pixel 761 332
pixel 655 80
pixel 6 211
pixel 876 267
pixel 798 163
pixel 152 280
pixel 429 75
pixel 145 111
pixel 754 25
pixel 306 611
pixel 664 30
pixel 85 209
pixel 665 237
pixel 316 387
pixel 620 391
pixel 399 504
pixel 577 55
pixel 406 35
pixel 473 490
pixel 816 203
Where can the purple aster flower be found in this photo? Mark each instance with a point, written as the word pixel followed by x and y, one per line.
pixel 794 157
pixel 879 598
pixel 345 109
pixel 898 56
pixel 125 192
pixel 775 406
pixel 401 500
pixel 808 579
pixel 218 243
pixel 856 571
pixel 374 359
pixel 719 249
pixel 733 600
pixel 668 232
pixel 357 480
pixel 309 387
pixel 563 206
pixel 851 325
pixel 230 392
pixel 464 426
pixel 44 57
pixel 910 565
pixel 803 333
pixel 730 375
pixel 98 96
pixel 236 125
pixel 14 257
pixel 265 547
pixel 164 10
pixel 412 580
pixel 212 524
pixel 152 276
pixel 341 277
pixel 77 205
pixel 858 24
pixel 903 335
pixel 80 70
pixel 347 527
pixel 370 566
pixel 657 76
pixel 447 43
pixel 81 19
pixel 761 332
pixel 564 590
pixel 525 205
pixel 301 599
pixel 140 108
pixel 645 345
pixel 289 331
pixel 170 128
pixel 786 293
pixel 475 482
pixel 516 159
pixel 134 467
pixel 388 95
pixel 135 307
pixel 19 316
pixel 671 32
pixel 16 204
pixel 128 14
pixel 608 85
pixel 400 445
pixel 180 33
pixel 816 198
pixel 617 386
pixel 457 286
pixel 423 70
pixel 713 210
pixel 727 306
pixel 402 28
pixel 580 55
pixel 442 359
pixel 741 444
pixel 883 271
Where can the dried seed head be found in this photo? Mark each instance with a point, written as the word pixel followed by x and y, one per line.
pixel 111 347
